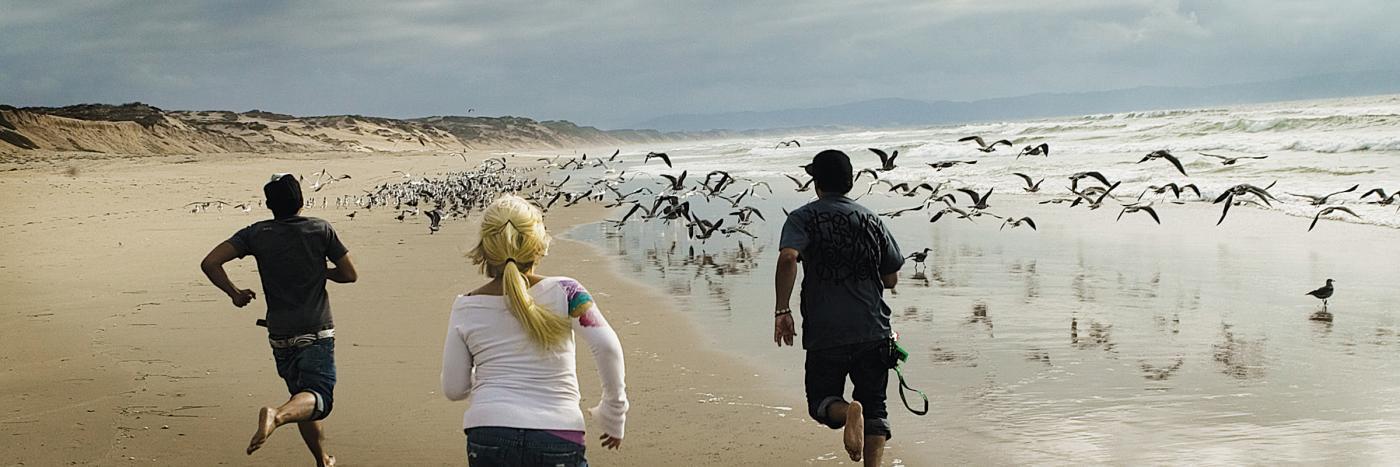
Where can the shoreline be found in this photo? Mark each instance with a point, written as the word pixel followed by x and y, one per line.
pixel 119 340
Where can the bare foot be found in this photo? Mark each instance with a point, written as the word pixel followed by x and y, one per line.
pixel 329 462
pixel 855 431
pixel 267 421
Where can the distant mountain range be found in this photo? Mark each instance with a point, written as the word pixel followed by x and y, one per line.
pixel 908 112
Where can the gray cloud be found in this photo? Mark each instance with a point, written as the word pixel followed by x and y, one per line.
pixel 614 62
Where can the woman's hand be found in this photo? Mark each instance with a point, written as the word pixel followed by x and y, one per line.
pixel 610 442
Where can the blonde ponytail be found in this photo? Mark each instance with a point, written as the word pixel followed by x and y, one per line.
pixel 513 238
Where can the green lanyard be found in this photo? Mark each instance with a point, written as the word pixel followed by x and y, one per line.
pixel 900 356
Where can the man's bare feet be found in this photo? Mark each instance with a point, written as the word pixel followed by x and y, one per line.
pixel 855 430
pixel 267 421
pixel 329 461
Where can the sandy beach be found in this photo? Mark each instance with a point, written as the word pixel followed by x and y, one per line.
pixel 118 352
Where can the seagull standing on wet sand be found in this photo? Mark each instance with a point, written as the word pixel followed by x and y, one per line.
pixel 1324 293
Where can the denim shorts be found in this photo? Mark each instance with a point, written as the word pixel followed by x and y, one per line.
pixel 491 446
pixel 867 365
pixel 310 369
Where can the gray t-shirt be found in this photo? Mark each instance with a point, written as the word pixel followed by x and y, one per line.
pixel 291 254
pixel 844 249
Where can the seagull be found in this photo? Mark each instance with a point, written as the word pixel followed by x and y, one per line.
pixel 951 210
pixel 1176 190
pixel 872 172
pixel 351 215
pixel 1228 197
pixel 1329 210
pixel 1017 223
pixel 1031 187
pixel 788 143
pixel 1231 160
pixel 614 156
pixel 1165 154
pixel 1039 150
pixel 434 220
pixel 661 155
pixel 1324 293
pixel 1127 208
pixel 1383 198
pixel 979 201
pixel 896 213
pixel 1091 201
pixel 1321 200
pixel 946 164
pixel 919 257
pixel 886 160
pixel 801 187
pixel 1074 179
pixel 983 146
pixel 677 182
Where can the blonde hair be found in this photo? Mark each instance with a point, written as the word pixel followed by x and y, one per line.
pixel 513 238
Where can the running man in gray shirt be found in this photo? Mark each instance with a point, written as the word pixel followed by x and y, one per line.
pixel 848 260
pixel 291 252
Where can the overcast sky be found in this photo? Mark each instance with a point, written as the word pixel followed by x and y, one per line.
pixel 612 63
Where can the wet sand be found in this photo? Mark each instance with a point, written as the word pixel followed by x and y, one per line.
pixel 1099 341
pixel 117 350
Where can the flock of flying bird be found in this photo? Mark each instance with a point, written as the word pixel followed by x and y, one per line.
pixel 456 194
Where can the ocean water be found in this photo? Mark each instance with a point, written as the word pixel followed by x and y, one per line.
pixel 1092 340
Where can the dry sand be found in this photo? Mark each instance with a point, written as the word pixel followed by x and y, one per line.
pixel 116 350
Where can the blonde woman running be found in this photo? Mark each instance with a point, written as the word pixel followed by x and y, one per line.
pixel 510 348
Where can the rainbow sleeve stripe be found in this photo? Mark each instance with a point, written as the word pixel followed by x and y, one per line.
pixel 579 299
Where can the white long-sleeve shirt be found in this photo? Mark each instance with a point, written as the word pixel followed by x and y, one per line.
pixel 515 383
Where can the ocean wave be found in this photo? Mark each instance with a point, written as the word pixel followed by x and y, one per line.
pixel 1260 125
pixel 1317 170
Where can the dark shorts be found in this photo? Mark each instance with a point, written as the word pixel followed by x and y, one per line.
pixel 491 446
pixel 867 365
pixel 310 369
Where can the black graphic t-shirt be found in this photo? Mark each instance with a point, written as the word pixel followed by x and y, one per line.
pixel 844 249
pixel 292 254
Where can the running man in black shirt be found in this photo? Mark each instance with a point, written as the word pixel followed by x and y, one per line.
pixel 291 252
pixel 848 260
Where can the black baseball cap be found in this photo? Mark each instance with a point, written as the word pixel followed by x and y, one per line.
pixel 283 195
pixel 830 168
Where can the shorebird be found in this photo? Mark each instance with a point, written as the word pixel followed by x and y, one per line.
pixel 801 187
pixel 1324 293
pixel 1017 223
pixel 351 215
pixel 951 210
pixel 1321 200
pixel 677 182
pixel 896 213
pixel 873 174
pixel 1127 208
pixel 1075 178
pixel 1228 197
pixel 982 145
pixel 946 164
pixel 918 257
pixel 886 160
pixel 787 143
pixel 1090 200
pixel 1329 210
pixel 979 201
pixel 1031 186
pixel 658 155
pixel 1231 160
pixel 1043 149
pixel 1382 198
pixel 1176 190
pixel 434 221
pixel 1165 154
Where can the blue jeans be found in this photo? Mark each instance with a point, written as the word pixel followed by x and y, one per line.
pixel 491 446
pixel 310 369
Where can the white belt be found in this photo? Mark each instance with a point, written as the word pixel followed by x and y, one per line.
pixel 301 340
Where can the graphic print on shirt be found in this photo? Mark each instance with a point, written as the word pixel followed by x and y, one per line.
pixel 844 246
pixel 580 303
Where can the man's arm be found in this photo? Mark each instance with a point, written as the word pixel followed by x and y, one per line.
pixel 890 279
pixel 343 272
pixel 213 267
pixel 783 327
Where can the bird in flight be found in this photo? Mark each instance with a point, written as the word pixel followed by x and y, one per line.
pixel 1042 149
pixel 1231 160
pixel 1165 154
pixel 660 155
pixel 886 160
pixel 1329 210
pixel 982 145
